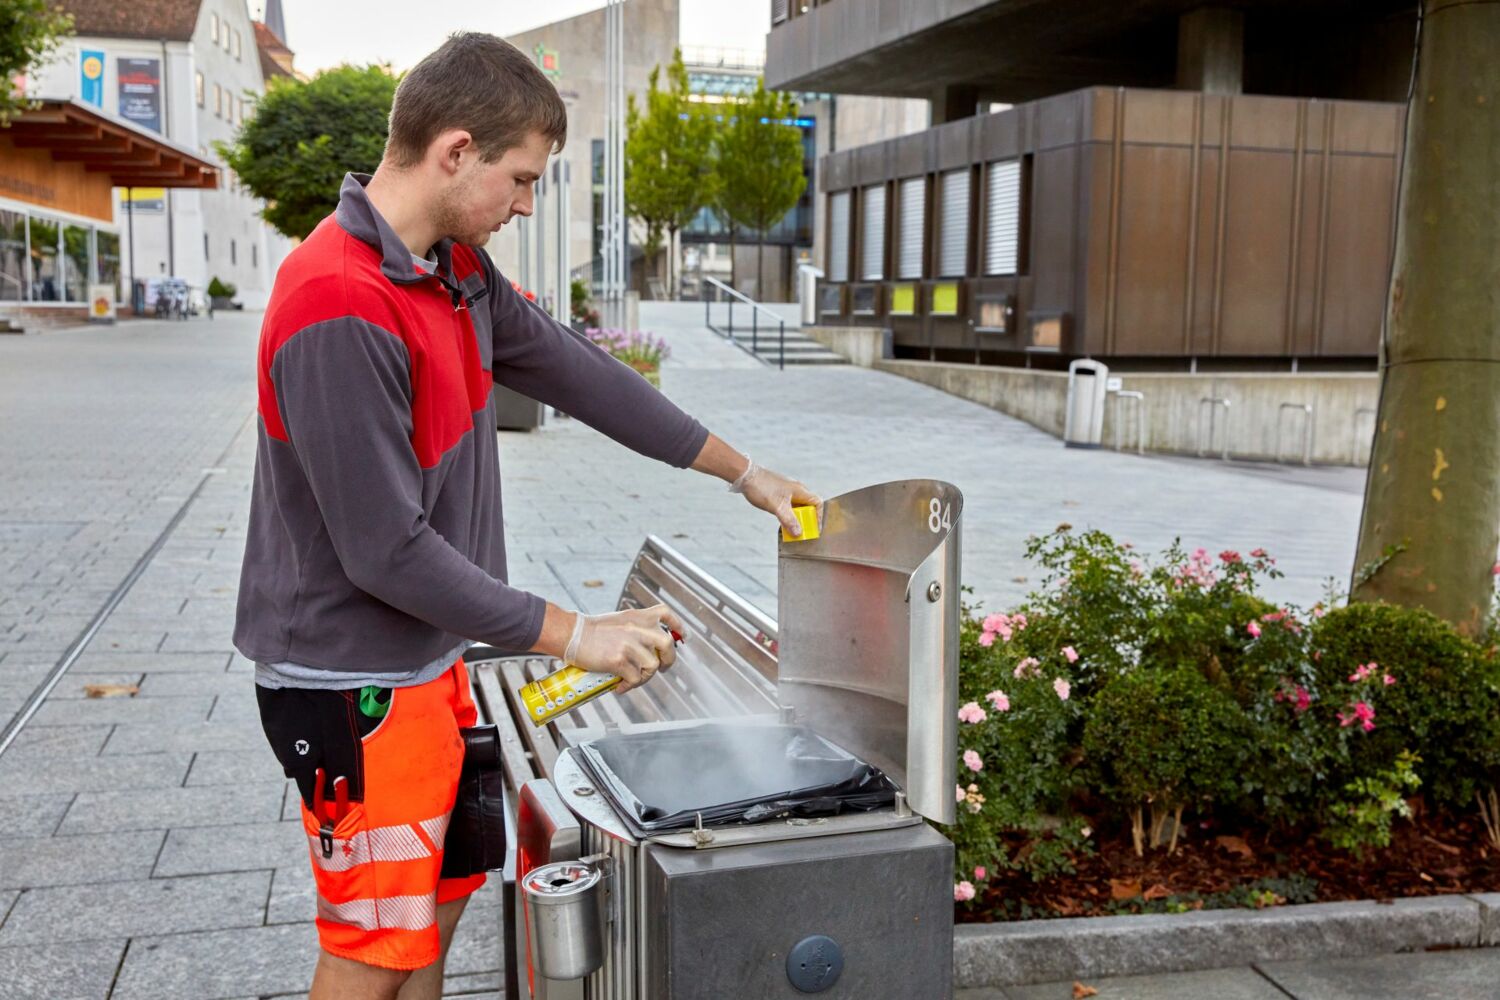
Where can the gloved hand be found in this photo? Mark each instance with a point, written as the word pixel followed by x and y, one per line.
pixel 632 644
pixel 776 494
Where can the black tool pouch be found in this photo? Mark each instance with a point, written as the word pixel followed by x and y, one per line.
pixel 476 832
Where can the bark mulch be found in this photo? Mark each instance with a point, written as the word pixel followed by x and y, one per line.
pixel 1215 868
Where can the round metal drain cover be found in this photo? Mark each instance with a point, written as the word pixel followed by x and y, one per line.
pixel 814 963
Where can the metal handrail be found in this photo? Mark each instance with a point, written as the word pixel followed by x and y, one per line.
pixel 1307 429
pixel 1213 403
pixel 1140 418
pixel 755 310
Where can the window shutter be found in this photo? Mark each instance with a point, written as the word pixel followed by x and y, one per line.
pixel 838 236
pixel 913 202
pixel 778 11
pixel 953 248
pixel 872 234
pixel 1002 220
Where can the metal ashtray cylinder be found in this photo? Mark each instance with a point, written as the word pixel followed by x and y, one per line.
pixel 565 918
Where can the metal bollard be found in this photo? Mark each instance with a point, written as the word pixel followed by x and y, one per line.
pixel 1213 402
pixel 1307 429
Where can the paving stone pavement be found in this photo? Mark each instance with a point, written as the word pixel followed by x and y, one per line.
pixel 148 845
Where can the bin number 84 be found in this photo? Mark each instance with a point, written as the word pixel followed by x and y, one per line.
pixel 939 516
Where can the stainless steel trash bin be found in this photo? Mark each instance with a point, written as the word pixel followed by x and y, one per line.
pixel 1083 425
pixel 515 412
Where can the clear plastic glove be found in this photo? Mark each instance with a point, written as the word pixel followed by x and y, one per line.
pixel 776 494
pixel 632 645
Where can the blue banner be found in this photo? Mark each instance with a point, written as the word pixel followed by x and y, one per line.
pixel 91 77
pixel 140 91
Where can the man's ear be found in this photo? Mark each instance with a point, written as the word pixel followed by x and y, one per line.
pixel 452 146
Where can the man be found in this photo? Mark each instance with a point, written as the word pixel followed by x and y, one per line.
pixel 376 550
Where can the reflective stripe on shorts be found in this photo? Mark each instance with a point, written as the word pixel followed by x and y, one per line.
pixel 407 913
pixel 403 842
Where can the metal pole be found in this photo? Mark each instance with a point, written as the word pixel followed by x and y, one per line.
pixel 781 351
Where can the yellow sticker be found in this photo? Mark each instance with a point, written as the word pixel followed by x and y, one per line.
pixel 807 517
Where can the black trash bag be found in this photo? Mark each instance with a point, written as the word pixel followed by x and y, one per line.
pixel 475 841
pixel 731 773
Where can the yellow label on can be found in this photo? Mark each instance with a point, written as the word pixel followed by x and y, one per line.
pixel 562 691
pixel 807 517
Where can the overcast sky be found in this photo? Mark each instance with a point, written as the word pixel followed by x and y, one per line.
pixel 323 32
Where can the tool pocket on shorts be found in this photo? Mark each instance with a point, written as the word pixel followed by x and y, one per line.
pixel 309 729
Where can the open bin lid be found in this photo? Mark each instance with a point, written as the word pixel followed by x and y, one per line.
pixel 869 623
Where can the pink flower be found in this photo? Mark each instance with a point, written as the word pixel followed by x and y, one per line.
pixel 1070 653
pixel 963 892
pixel 1361 672
pixel 1388 679
pixel 1026 668
pixel 1229 556
pixel 961 794
pixel 987 638
pixel 1304 700
pixel 1257 553
pixel 981 874
pixel 971 713
pixel 998 699
pixel 1253 629
pixel 1363 714
pixel 972 761
pixel 1062 687
pixel 1496 570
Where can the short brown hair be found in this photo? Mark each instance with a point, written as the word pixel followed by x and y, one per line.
pixel 480 83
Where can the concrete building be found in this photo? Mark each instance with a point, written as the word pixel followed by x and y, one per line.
pixel 189 71
pixel 1176 184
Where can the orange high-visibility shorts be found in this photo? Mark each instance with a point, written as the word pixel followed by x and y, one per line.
pixel 378 879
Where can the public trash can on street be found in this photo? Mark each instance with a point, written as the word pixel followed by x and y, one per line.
pixel 1083 426
pixel 515 412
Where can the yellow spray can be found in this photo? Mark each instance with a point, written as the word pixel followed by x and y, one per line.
pixel 565 689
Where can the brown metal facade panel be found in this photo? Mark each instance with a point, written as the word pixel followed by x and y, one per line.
pixel 1357 262
pixel 1000 136
pixel 1257 235
pixel 1204 253
pixel 1366 128
pixel 1155 220
pixel 1054 198
pixel 1264 122
pixel 1154 117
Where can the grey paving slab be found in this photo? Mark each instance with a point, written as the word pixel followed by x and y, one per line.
pixel 132 711
pixel 232 767
pixel 1220 984
pixel 203 683
pixel 190 737
pixel 165 808
pixel 75 971
pixel 7 900
pixel 236 708
pixel 32 815
pixel 294 894
pixel 148 906
pixel 153 663
pixel 73 683
pixel 80 860
pixel 479 984
pixel 211 965
pixel 38 775
pixel 235 847
pixel 476 942
pixel 81 741
pixel 1446 975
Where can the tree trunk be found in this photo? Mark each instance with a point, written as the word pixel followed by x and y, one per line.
pixel 671 263
pixel 1432 497
pixel 760 269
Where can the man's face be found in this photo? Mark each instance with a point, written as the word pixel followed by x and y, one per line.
pixel 485 196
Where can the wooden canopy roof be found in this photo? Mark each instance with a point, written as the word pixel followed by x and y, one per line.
pixel 73 132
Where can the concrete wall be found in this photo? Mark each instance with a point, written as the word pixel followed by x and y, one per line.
pixel 1174 414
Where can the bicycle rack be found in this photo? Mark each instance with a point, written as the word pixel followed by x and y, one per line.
pixel 1307 429
pixel 1213 402
pixel 1354 444
pixel 1139 408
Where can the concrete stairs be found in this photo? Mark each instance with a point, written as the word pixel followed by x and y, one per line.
pixel 800 348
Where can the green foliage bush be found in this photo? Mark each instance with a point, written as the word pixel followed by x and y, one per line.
pixel 1125 684
pixel 221 289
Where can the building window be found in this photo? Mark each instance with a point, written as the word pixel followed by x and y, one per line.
pixel 46 266
pixel 236 43
pixel 872 233
pixel 205 246
pixel 1002 217
pixel 254 255
pixel 77 262
pixel 953 229
pixel 13 281
pixel 213 27
pixel 218 101
pixel 198 88
pixel 838 236
pixel 107 260
pixel 913 210
pixel 232 259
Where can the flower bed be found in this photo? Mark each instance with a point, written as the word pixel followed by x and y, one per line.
pixel 1152 734
pixel 641 351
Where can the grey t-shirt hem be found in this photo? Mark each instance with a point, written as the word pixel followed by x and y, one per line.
pixel 296 675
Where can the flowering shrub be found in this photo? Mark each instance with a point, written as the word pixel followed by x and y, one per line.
pixel 1126 684
pixel 641 351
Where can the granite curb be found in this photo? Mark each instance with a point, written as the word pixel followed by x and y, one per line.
pixel 1039 951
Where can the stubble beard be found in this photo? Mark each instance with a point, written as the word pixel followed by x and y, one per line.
pixel 449 218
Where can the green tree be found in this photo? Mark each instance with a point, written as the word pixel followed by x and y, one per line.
pixel 293 153
pixel 29 31
pixel 668 160
pixel 759 166
pixel 1432 500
